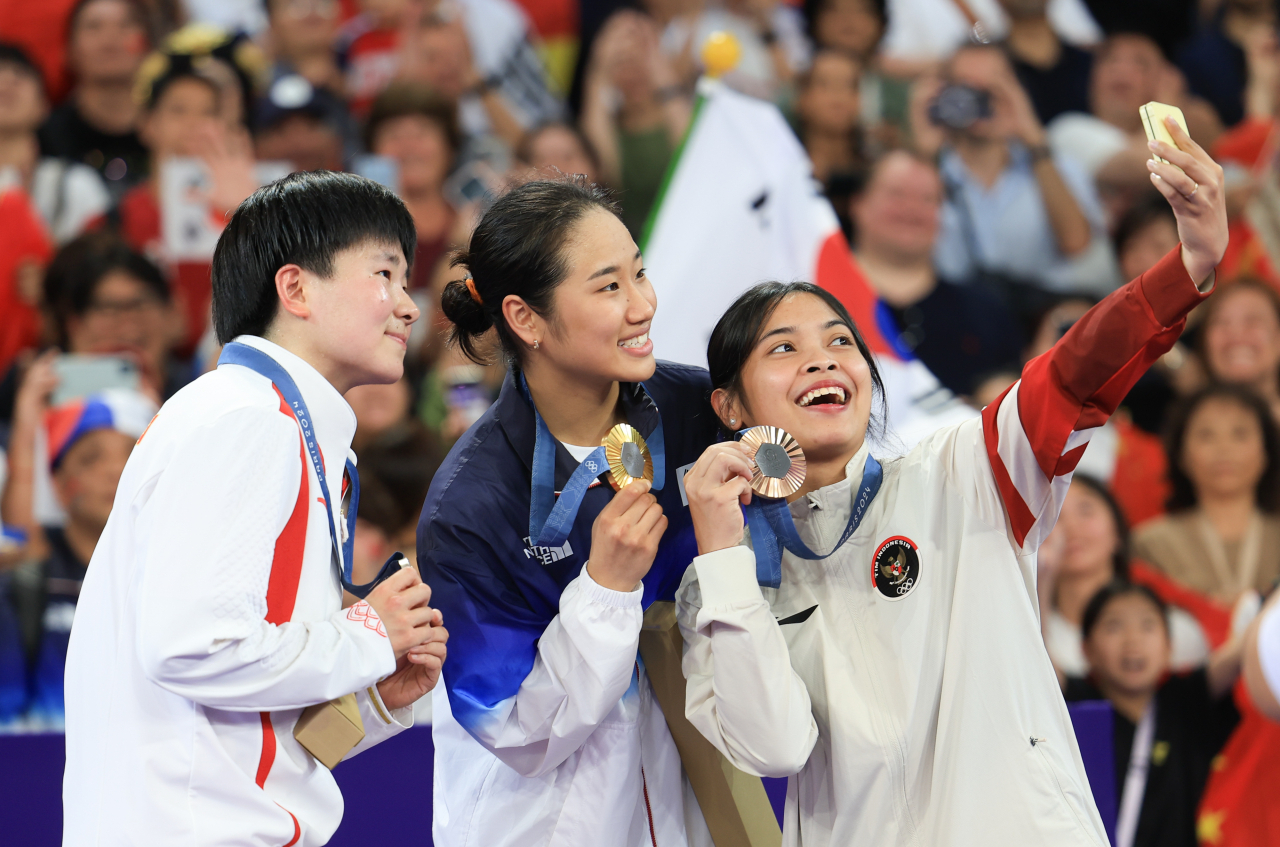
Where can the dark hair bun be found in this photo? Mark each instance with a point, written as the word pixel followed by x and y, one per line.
pixel 469 316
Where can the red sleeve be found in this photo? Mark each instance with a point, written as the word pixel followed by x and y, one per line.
pixel 1037 431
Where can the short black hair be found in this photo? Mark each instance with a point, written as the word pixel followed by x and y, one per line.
pixel 1183 494
pixel 1151 207
pixel 738 331
pixel 141 14
pixel 518 248
pixel 1113 590
pixel 405 99
pixel 13 54
pixel 813 8
pixel 1120 557
pixel 304 219
pixel 72 278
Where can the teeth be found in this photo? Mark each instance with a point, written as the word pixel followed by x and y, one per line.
pixel 638 341
pixel 822 392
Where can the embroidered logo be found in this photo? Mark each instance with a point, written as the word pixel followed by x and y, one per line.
pixel 547 555
pixel 591 465
pixel 895 569
pixel 362 612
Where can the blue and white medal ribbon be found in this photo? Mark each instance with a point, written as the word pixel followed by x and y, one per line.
pixel 551 519
pixel 772 529
pixel 254 359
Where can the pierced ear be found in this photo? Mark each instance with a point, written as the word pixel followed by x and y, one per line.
pixel 291 288
pixel 727 409
pixel 523 321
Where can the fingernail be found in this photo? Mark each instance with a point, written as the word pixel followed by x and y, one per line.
pixel 1153 145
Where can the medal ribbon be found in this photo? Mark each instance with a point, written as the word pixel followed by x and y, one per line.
pixel 551 520
pixel 255 360
pixel 772 527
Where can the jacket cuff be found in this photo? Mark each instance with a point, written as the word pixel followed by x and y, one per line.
pixel 363 625
pixel 1169 291
pixel 401 718
pixel 596 592
pixel 728 578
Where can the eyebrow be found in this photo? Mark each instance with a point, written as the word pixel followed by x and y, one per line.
pixel 389 256
pixel 783 330
pixel 612 269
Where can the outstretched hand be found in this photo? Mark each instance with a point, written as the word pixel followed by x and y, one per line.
pixel 1193 184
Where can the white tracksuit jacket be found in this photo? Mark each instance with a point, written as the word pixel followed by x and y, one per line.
pixel 904 680
pixel 210 617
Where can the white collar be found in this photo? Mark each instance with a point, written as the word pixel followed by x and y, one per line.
pixel 334 420
pixel 837 492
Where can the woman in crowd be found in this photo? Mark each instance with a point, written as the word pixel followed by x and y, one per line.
pixel 828 110
pixel 1221 536
pixel 1167 729
pixel 549 732
pixel 1088 548
pixel 902 678
pixel 559 148
pixel 1241 339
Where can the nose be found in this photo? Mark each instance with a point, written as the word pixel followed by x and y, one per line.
pixel 824 364
pixel 406 309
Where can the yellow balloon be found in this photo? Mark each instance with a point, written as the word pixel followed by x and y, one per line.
pixel 720 53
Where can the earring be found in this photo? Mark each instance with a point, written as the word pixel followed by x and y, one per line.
pixel 732 421
pixel 536 343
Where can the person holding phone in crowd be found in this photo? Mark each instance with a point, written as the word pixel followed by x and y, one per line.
pixel 902 677
pixel 211 613
pixel 547 730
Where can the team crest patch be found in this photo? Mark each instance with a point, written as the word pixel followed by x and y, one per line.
pixel 896 567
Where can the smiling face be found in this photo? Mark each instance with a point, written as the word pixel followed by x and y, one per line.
pixel 1089 533
pixel 360 316
pixel 1242 339
pixel 806 375
pixel 897 213
pixel 420 148
pixel 1128 648
pixel 598 329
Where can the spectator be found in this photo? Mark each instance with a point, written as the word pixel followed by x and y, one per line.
pixel 104 297
pixel 1127 640
pixel 369 46
pixel 828 113
pixel 89 441
pixel 183 118
pixel 958 331
pixel 1213 59
pixel 1145 235
pixel 1166 22
pixel 856 27
pixel 413 127
pixel 477 53
pixel 635 111
pixel 67 194
pixel 301 40
pixel 1108 139
pixel 559 148
pixel 24 251
pixel 1221 536
pixel 98 124
pixel 1241 339
pixel 1014 210
pixel 1055 74
pixel 302 125
pixel 1089 548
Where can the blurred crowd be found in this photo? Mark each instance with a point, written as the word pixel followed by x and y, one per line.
pixel 984 156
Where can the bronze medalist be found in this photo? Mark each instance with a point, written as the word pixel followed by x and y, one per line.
pixel 779 461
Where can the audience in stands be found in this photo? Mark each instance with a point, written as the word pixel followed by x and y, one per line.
pixel 98 122
pixel 1221 536
pixel 1214 58
pixel 1054 73
pixel 305 126
pixel 67 194
pixel 300 39
pixel 559 148
pixel 1240 339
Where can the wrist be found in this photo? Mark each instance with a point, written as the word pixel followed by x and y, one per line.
pixel 619 583
pixel 1039 153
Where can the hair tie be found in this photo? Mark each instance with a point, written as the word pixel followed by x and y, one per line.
pixel 471 286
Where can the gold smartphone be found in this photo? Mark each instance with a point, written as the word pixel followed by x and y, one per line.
pixel 1153 115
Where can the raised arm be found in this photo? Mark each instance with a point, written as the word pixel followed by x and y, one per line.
pixel 1037 431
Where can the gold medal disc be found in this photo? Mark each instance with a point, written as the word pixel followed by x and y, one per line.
pixel 627 455
pixel 779 461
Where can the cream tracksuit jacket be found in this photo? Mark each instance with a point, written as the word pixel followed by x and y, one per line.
pixel 904 680
pixel 210 617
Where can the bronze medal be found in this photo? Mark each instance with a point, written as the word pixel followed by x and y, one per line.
pixel 779 461
pixel 627 455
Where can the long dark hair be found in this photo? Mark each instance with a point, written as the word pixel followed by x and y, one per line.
pixel 1120 557
pixel 739 329
pixel 1183 495
pixel 518 248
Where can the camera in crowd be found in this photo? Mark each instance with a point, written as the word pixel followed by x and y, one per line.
pixel 960 106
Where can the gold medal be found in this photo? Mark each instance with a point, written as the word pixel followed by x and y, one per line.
pixel 627 455
pixel 779 461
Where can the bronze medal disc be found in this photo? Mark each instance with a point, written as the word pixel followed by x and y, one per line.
pixel 627 455
pixel 779 461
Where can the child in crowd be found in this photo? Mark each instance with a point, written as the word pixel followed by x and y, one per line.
pixel 1167 728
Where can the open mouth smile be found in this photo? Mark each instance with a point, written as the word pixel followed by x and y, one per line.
pixel 824 394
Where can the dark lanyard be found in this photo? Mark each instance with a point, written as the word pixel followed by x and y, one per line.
pixel 772 527
pixel 254 359
pixel 551 519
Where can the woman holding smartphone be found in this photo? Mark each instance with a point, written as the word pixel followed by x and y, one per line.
pixel 902 678
pixel 549 732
